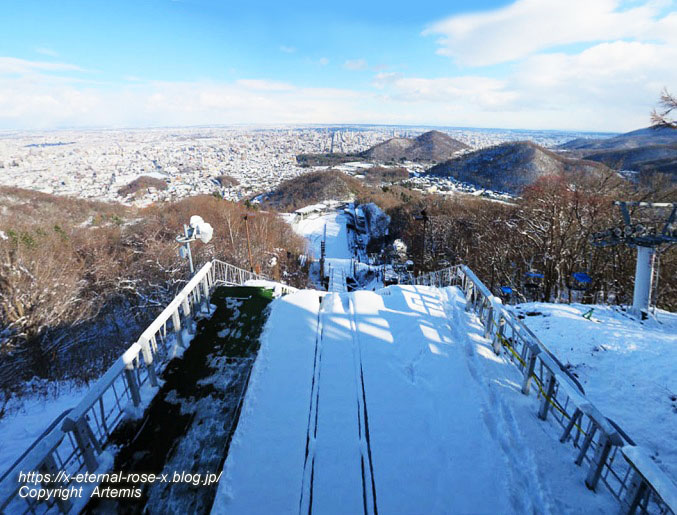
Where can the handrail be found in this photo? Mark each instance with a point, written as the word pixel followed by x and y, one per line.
pixel 78 442
pixel 36 442
pixel 636 482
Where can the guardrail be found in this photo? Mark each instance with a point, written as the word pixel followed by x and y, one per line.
pixel 231 275
pixel 78 444
pixel 612 457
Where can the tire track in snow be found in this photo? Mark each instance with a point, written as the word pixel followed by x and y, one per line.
pixel 528 492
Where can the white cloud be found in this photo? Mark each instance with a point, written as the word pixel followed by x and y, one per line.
pixel 529 26
pixel 12 65
pixel 355 64
pixel 324 61
pixel 478 92
pixel 51 102
pixel 47 51
pixel 264 85
pixel 608 86
pixel 287 49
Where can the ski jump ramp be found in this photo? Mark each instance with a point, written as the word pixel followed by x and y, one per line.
pixel 391 402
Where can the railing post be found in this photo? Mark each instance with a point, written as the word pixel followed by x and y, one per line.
pixel 634 493
pixel 601 455
pixel 572 423
pixel 489 321
pixel 148 360
pixel 533 353
pixel 499 336
pixel 469 297
pixel 176 322
pixel 549 390
pixel 133 385
pixel 50 467
pixel 205 288
pixel 586 444
pixel 187 311
pixel 84 441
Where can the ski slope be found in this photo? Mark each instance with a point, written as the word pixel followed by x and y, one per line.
pixel 393 402
pixel 337 249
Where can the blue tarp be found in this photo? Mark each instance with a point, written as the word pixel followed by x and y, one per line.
pixel 534 275
pixel 506 290
pixel 582 277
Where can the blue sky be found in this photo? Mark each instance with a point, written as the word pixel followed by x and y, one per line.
pixel 539 64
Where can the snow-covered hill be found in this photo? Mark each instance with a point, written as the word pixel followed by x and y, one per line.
pixel 628 368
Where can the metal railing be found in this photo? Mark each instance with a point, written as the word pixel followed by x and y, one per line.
pixel 78 444
pixel 225 273
pixel 231 275
pixel 611 456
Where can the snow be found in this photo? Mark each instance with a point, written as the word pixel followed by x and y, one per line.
pixel 627 367
pixel 275 413
pixel 393 400
pixel 377 219
pixel 404 384
pixel 337 249
pixel 20 429
pixel 652 473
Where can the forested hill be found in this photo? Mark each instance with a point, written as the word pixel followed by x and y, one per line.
pixel 511 166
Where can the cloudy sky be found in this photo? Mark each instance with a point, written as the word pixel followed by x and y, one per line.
pixel 533 64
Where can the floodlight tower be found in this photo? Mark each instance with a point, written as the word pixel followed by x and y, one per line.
pixel 197 229
pixel 646 241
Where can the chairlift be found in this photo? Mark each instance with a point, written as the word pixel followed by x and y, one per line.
pixel 581 282
pixel 506 290
pixel 532 280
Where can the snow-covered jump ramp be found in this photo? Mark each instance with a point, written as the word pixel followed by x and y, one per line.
pixel 391 402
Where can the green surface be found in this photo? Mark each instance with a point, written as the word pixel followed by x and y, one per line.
pixel 190 422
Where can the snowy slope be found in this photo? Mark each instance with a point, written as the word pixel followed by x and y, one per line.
pixel 337 249
pixel 21 428
pixel 628 368
pixel 392 400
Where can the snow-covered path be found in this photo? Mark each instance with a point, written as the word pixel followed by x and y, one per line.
pixel 392 402
pixel 337 249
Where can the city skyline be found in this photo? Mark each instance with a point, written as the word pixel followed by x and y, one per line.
pixel 527 64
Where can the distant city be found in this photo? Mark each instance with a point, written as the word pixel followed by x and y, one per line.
pixel 95 164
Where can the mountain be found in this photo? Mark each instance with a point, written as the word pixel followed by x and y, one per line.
pixel 635 139
pixel 511 166
pixel 311 188
pixel 431 146
pixel 645 150
pixel 657 158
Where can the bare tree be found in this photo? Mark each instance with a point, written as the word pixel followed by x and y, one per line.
pixel 662 118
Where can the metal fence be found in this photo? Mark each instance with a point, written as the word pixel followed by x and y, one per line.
pixel 77 445
pixel 600 444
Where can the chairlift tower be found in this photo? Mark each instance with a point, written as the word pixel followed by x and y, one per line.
pixel 646 240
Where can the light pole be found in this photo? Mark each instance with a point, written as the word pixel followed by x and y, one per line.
pixel 197 229
pixel 249 245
